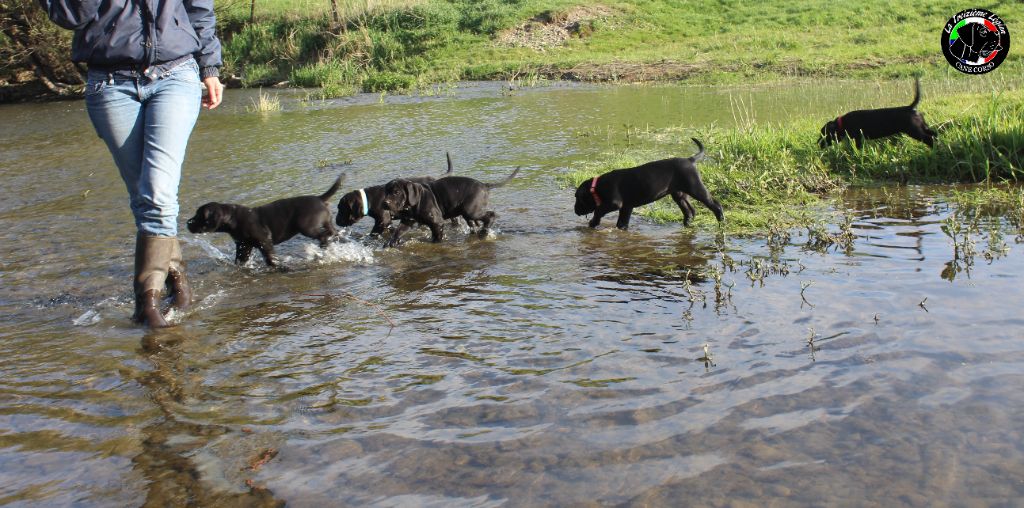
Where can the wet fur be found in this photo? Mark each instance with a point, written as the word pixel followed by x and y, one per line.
pixel 880 123
pixel 626 189
pixel 268 225
pixel 433 203
pixel 350 206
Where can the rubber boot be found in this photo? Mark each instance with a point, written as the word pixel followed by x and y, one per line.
pixel 180 290
pixel 152 260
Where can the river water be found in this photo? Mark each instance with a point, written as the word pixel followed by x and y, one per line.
pixel 546 364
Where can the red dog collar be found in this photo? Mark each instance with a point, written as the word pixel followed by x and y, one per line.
pixel 593 192
pixel 839 124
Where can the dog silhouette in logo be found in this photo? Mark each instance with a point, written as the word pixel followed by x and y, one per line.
pixel 976 42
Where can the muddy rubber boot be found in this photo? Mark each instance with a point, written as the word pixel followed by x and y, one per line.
pixel 152 259
pixel 180 290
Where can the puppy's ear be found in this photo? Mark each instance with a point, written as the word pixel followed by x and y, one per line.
pixel 216 215
pixel 413 192
pixel 211 214
pixel 581 191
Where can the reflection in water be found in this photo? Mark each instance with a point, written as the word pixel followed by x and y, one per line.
pixel 548 364
pixel 171 446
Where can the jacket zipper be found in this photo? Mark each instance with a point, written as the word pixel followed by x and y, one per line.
pixel 146 11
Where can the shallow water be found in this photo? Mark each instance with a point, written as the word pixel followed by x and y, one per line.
pixel 546 364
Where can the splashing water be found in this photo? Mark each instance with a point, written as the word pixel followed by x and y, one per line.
pixel 210 249
pixel 88 318
pixel 339 252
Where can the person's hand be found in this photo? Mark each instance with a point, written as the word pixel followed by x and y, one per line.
pixel 214 92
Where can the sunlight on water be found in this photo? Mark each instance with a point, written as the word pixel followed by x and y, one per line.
pixel 547 364
pixel 338 252
pixel 204 243
pixel 90 317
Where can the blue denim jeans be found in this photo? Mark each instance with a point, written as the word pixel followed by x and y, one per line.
pixel 146 125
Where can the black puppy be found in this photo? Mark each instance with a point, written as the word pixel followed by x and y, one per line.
pixel 268 225
pixel 976 42
pixel 369 201
pixel 433 203
pixel 626 189
pixel 879 123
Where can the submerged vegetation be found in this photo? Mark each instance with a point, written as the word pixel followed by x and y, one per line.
pixel 775 177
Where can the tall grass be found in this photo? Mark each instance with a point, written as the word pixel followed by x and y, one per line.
pixel 265 103
pixel 769 176
pixel 379 45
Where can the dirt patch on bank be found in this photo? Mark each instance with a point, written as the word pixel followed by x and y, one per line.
pixel 627 72
pixel 667 70
pixel 550 29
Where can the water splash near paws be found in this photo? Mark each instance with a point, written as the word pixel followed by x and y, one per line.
pixel 350 252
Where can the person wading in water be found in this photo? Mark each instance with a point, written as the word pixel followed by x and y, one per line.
pixel 147 62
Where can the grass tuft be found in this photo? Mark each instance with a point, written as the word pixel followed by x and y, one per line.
pixel 264 103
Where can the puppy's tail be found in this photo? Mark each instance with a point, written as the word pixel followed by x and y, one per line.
pixel 503 182
pixel 917 93
pixel 449 157
pixel 697 157
pixel 325 197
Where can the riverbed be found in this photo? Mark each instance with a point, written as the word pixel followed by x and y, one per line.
pixel 544 363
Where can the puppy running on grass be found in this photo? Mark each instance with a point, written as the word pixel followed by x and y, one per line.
pixel 879 123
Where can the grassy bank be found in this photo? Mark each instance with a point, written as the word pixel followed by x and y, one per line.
pixel 771 177
pixel 405 44
pixel 400 45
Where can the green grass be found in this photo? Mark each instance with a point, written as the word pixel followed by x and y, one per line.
pixel 264 104
pixel 307 8
pixel 726 41
pixel 775 176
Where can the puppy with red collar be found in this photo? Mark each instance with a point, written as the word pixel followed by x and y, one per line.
pixel 879 123
pixel 625 189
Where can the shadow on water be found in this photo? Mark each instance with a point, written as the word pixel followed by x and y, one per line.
pixel 634 260
pixel 171 444
pixel 455 265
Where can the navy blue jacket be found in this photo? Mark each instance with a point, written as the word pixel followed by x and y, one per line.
pixel 139 32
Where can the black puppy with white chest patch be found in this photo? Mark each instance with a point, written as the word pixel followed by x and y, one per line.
pixel 626 189
pixel 433 203
pixel 369 202
pixel 268 225
pixel 879 123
